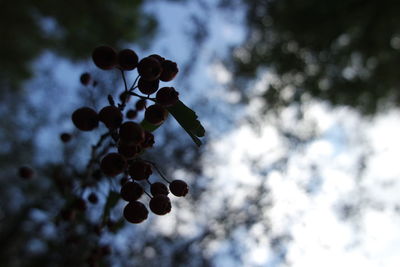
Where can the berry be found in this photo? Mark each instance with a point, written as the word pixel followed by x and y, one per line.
pixel 93 198
pixel 26 172
pixel 140 104
pixel 135 212
pixel 148 87
pixel 158 57
pixel 179 188
pixel 128 151
pixel 140 170
pixel 111 116
pixel 131 191
pixel 131 133
pixel 156 114
pixel 127 59
pixel 85 78
pixel 169 70
pixel 65 137
pixel 148 140
pixel 131 114
pixel 160 204
pixel 149 69
pixel 124 97
pixel 85 119
pixel 113 164
pixel 158 188
pixel 104 57
pixel 167 96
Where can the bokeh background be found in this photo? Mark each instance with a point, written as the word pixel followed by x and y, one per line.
pixel 300 101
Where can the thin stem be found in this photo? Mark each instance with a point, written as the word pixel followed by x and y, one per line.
pixel 123 77
pixel 147 194
pixel 142 97
pixel 134 83
pixel 158 170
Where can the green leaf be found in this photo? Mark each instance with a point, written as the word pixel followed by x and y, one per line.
pixel 148 126
pixel 187 118
pixel 112 200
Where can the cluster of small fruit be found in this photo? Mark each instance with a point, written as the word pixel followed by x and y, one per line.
pixel 130 138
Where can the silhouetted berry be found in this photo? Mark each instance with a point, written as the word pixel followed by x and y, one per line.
pixel 158 188
pixel 26 172
pixel 156 114
pixel 167 96
pixel 85 119
pixel 124 97
pixel 131 133
pixel 85 78
pixel 93 198
pixel 179 188
pixel 104 57
pixel 148 140
pixel 160 204
pixel 131 114
pixel 65 137
pixel 128 151
pixel 127 59
pixel 169 70
pixel 140 104
pixel 148 87
pixel 158 57
pixel 113 164
pixel 140 170
pixel 135 212
pixel 131 191
pixel 111 116
pixel 149 69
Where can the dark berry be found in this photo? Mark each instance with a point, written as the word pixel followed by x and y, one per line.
pixel 140 170
pixel 148 87
pixel 131 133
pixel 148 140
pixel 124 97
pixel 158 57
pixel 179 188
pixel 156 114
pixel 127 59
pixel 160 204
pixel 167 96
pixel 131 114
pixel 135 212
pixel 113 164
pixel 111 116
pixel 140 104
pixel 85 78
pixel 131 191
pixel 65 137
pixel 128 151
pixel 104 57
pixel 26 172
pixel 149 69
pixel 158 188
pixel 85 119
pixel 93 198
pixel 169 70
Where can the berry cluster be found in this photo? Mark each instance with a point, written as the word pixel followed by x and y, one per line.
pixel 129 138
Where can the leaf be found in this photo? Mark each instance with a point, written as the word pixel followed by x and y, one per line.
pixel 112 200
pixel 187 118
pixel 148 126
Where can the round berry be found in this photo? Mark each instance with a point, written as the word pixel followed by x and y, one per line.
pixel 158 57
pixel 85 119
pixel 85 78
pixel 135 212
pixel 128 151
pixel 111 117
pixel 26 172
pixel 160 204
pixel 93 198
pixel 148 140
pixel 156 114
pixel 124 97
pixel 169 70
pixel 65 137
pixel 179 188
pixel 113 164
pixel 131 114
pixel 131 133
pixel 127 59
pixel 131 191
pixel 148 87
pixel 104 57
pixel 149 69
pixel 140 170
pixel 158 188
pixel 140 104
pixel 167 96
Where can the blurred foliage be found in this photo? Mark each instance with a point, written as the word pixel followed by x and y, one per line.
pixel 69 28
pixel 344 52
